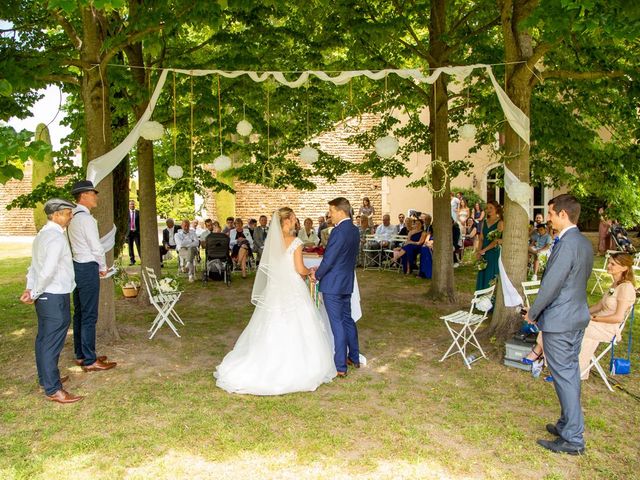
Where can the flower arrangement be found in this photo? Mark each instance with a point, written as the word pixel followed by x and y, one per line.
pixel 481 264
pixel 129 284
pixel 168 284
pixel 494 235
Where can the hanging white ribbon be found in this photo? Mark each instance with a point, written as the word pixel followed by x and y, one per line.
pixel 108 240
pixel 517 191
pixel 511 296
pixel 102 166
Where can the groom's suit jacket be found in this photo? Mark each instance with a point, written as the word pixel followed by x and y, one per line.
pixel 335 273
pixel 561 304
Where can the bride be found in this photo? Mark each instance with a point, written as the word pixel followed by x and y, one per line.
pixel 287 345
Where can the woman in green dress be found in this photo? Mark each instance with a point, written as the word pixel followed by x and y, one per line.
pixel 490 244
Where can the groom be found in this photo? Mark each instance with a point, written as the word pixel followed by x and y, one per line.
pixel 336 273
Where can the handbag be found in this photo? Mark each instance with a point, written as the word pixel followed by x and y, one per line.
pixel 622 366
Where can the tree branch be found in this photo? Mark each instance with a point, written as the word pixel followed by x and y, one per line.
pixel 59 78
pixel 134 38
pixel 571 75
pixel 493 23
pixel 420 47
pixel 68 29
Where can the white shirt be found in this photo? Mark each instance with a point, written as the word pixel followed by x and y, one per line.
pixel 204 234
pixel 186 239
pixel 85 239
pixel 51 267
pixel 247 234
pixel 455 203
pixel 385 232
pixel 172 239
pixel 565 230
pixel 311 238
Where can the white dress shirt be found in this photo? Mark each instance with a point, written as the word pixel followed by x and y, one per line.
pixel 247 234
pixel 311 238
pixel 385 233
pixel 51 267
pixel 85 239
pixel 186 239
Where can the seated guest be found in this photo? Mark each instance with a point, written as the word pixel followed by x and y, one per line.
pixel 400 225
pixel 195 226
pixel 241 245
pixel 168 239
pixel 408 253
pixel 540 245
pixel 470 233
pixel 322 224
pixel 253 223
pixel 408 223
pixel 606 315
pixel 426 257
pixel 364 228
pixel 308 235
pixel 533 226
pixel 385 232
pixel 187 244
pixel 208 228
pixel 229 226
pixel 260 236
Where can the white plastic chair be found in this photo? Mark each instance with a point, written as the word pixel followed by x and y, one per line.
pixel 164 302
pixel 595 359
pixel 530 289
pixel 371 257
pixel 462 326
pixel 601 273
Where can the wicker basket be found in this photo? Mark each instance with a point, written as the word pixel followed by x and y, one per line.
pixel 130 292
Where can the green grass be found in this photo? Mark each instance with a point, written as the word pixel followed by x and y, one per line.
pixel 406 415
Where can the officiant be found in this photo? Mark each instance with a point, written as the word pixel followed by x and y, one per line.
pixel 89 264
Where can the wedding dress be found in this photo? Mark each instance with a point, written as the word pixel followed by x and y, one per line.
pixel 287 345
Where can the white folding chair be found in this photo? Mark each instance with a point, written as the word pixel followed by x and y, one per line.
pixel 530 289
pixel 387 253
pixel 164 302
pixel 462 326
pixel 595 359
pixel 601 273
pixel 371 257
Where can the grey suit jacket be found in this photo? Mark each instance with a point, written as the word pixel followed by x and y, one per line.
pixel 561 304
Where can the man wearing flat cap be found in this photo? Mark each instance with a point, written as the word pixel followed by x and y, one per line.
pixel 50 281
pixel 89 264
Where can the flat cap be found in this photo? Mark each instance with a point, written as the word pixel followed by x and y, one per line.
pixel 83 186
pixel 57 204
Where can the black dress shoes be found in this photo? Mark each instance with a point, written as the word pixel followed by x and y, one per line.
pixel 561 446
pixel 551 428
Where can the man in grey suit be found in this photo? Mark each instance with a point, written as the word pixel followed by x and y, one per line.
pixel 562 314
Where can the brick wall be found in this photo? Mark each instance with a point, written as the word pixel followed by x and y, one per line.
pixel 254 200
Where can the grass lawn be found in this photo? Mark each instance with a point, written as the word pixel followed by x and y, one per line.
pixel 159 415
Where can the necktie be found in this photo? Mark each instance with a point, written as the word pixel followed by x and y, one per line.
pixel 555 241
pixel 133 223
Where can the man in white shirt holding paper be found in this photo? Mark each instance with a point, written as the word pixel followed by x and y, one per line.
pixel 50 281
pixel 89 265
pixel 187 244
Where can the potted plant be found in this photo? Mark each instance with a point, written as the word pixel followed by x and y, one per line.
pixel 129 284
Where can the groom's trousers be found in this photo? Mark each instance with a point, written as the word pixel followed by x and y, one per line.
pixel 345 333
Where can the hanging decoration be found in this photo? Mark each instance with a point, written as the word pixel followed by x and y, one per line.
pixel 386 147
pixel 467 131
pixel 175 171
pixel 244 128
pixel 308 154
pixel 152 130
pixel 221 162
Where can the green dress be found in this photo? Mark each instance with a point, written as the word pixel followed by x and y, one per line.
pixel 491 256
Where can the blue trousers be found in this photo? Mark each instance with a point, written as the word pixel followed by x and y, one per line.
pixel 54 317
pixel 561 351
pixel 85 310
pixel 345 332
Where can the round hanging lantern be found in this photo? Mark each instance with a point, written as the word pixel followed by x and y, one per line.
pixel 152 130
pixel 467 131
pixel 222 163
pixel 387 147
pixel 309 155
pixel 244 128
pixel 175 172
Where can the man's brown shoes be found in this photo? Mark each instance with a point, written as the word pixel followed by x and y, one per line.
pixel 353 364
pixel 80 361
pixel 62 396
pixel 99 366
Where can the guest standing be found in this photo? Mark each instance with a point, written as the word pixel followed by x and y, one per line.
pixel 561 312
pixel 89 264
pixel 489 248
pixel 133 235
pixel 604 232
pixel 50 281
pixel 367 210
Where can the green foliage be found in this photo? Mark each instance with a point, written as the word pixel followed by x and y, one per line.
pixel 39 171
pixel 15 149
pixel 470 196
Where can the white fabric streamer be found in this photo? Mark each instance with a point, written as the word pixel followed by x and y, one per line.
pixel 517 191
pixel 511 296
pixel 109 239
pixel 102 166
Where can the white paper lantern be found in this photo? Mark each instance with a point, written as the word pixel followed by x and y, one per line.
pixel 175 172
pixel 467 131
pixel 152 130
pixel 309 155
pixel 244 128
pixel 222 163
pixel 387 147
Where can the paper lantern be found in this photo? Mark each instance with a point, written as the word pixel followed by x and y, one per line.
pixel 244 128
pixel 387 147
pixel 175 172
pixel 222 163
pixel 152 130
pixel 309 155
pixel 467 131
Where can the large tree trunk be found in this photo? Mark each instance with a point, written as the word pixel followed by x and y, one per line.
pixel 146 169
pixel 95 96
pixel 442 286
pixel 516 220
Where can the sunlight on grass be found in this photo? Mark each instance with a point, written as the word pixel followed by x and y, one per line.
pixel 19 333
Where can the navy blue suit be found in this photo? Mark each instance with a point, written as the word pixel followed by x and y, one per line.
pixel 335 273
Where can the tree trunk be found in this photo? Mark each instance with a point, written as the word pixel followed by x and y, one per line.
pixel 95 96
pixel 505 321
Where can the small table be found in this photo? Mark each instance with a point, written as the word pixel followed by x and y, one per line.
pixel 313 260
